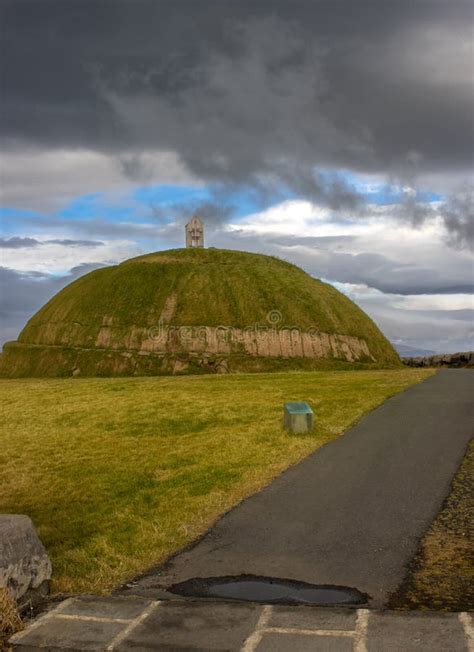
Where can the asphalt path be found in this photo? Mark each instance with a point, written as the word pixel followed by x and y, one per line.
pixel 352 513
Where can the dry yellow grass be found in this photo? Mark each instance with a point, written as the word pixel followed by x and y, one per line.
pixel 117 474
pixel 10 621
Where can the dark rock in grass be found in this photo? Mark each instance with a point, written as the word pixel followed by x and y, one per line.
pixel 25 568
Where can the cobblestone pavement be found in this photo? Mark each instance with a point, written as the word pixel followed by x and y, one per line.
pixel 135 623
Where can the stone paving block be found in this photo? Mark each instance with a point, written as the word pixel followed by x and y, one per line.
pixel 92 623
pixel 412 632
pixel 110 607
pixel 193 626
pixel 313 618
pixel 303 643
pixel 56 634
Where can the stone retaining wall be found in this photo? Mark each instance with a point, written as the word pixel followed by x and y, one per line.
pixel 463 359
pixel 221 340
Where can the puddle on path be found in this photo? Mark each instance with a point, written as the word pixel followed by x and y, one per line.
pixel 269 590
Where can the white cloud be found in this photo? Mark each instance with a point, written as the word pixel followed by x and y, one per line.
pixel 45 180
pixel 52 258
pixel 435 302
pixel 297 218
pixel 424 321
pixel 378 231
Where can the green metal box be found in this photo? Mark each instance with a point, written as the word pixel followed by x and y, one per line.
pixel 298 417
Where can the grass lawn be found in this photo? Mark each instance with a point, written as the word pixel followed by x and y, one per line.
pixel 117 474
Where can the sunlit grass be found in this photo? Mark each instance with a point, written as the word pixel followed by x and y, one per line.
pixel 117 474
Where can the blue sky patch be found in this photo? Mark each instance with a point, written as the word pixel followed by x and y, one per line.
pixel 237 202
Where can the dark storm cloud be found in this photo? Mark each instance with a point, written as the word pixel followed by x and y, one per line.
pixel 30 290
pixel 458 217
pixel 388 276
pixel 456 213
pixel 259 91
pixel 136 169
pixel 76 243
pixel 97 227
pixel 213 213
pixel 17 242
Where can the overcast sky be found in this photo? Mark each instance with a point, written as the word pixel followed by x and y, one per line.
pixel 337 134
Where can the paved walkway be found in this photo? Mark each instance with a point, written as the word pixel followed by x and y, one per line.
pixel 352 513
pixel 129 623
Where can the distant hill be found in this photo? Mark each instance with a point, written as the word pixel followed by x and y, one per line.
pixel 411 352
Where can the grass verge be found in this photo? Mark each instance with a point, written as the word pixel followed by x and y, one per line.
pixel 10 621
pixel 117 474
pixel 441 575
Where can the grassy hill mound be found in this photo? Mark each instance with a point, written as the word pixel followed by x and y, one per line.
pixel 110 321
